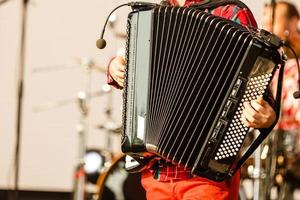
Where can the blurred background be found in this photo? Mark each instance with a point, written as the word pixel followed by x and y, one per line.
pixel 61 66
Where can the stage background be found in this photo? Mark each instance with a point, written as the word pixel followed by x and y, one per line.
pixel 60 34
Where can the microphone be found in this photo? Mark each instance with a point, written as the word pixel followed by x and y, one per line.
pixel 101 43
pixel 296 94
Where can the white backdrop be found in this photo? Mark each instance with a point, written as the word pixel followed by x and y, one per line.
pixel 59 33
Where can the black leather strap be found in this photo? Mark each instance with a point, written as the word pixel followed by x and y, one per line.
pixel 212 4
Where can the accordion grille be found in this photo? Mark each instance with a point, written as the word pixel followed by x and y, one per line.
pixel 192 72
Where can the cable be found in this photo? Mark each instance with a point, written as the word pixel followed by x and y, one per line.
pixel 101 43
pixel 297 93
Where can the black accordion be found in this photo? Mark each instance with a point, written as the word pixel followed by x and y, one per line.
pixel 187 75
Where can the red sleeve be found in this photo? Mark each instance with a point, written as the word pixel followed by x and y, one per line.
pixel 239 15
pixel 246 18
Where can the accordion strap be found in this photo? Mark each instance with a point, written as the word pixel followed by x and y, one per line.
pixel 263 132
pixel 212 4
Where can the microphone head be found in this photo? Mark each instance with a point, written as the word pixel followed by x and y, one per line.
pixel 296 94
pixel 101 43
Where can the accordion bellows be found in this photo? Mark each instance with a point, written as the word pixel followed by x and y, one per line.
pixel 187 75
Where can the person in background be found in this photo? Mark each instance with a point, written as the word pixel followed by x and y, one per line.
pixel 164 181
pixel 283 21
pixel 285 24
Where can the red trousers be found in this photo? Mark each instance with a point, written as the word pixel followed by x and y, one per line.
pixel 190 189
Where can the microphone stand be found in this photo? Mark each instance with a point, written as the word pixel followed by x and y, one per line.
pixel 20 84
pixel 273 4
pixel 257 174
pixel 3 1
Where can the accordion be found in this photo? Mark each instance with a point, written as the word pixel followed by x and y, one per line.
pixel 187 75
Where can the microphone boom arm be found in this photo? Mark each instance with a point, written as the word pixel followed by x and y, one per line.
pixel 101 43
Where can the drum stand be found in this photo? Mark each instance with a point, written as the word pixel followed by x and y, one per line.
pixel 82 129
pixel 257 173
pixel 264 168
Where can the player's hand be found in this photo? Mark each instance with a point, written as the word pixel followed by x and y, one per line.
pixel 258 114
pixel 116 70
